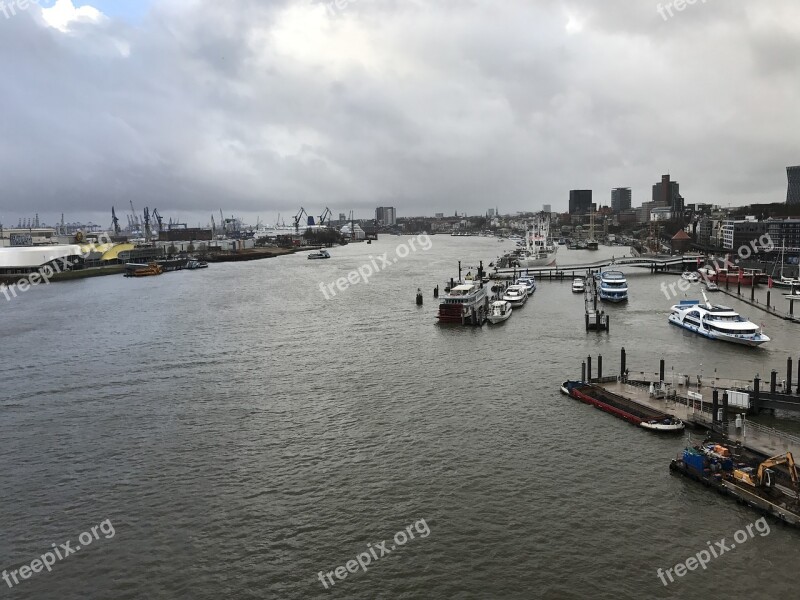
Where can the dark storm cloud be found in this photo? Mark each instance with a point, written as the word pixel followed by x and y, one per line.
pixel 261 107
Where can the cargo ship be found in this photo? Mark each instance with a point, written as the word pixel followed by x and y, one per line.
pixel 760 485
pixel 623 408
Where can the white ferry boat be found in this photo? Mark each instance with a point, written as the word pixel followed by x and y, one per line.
pixel 516 295
pixel 499 311
pixel 464 303
pixel 613 287
pixel 716 322
pixel 578 285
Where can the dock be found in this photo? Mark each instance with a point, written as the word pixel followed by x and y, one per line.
pixel 717 404
pixel 596 320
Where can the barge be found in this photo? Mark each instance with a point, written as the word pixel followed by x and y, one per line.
pixel 762 487
pixel 623 408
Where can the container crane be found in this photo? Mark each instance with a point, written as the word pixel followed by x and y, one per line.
pixel 326 215
pixel 158 218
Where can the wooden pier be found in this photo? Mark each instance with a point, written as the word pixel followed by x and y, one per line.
pixel 596 320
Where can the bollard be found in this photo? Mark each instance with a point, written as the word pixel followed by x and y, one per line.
pixel 436 292
pixel 622 362
pixel 599 366
pixel 583 371
pixel 661 371
pixel 756 394
pixel 773 381
pixel 753 289
pixel 739 287
pixel 768 295
pixel 419 298
pixel 589 369
pixel 788 388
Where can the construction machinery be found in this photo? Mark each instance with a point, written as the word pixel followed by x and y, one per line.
pixel 764 476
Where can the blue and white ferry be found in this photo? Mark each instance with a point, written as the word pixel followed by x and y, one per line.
pixel 716 322
pixel 613 287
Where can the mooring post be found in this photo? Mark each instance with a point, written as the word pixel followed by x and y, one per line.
pixel 798 376
pixel 661 371
pixel 608 323
pixel 587 320
pixel 768 295
pixel 599 366
pixel 583 371
pixel 622 362
pixel 724 408
pixel 714 407
pixel 589 368
pixel 773 381
pixel 756 393
pixel 788 387
pixel 753 289
pixel 739 287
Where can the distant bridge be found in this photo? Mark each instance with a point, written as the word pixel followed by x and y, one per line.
pixel 654 263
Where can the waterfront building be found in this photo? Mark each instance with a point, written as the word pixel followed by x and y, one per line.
pixel 386 216
pixel 580 202
pixel 738 233
pixel 793 189
pixel 620 199
pixel 784 231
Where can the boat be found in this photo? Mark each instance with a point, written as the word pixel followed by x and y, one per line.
pixel 592 245
pixel 516 295
pixel 692 276
pixel 464 303
pixel 193 263
pixel 142 270
pixel 319 255
pixel 583 245
pixel 578 285
pixel 723 275
pixel 746 477
pixel 540 251
pixel 528 282
pixel 712 287
pixel 499 311
pixel 613 287
pixel 781 281
pixel 623 408
pixel 716 322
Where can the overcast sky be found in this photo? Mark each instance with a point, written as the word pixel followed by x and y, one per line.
pixel 258 107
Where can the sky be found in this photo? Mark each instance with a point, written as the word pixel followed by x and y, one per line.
pixel 259 107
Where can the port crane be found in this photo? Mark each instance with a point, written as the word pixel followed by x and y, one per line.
pixel 114 221
pixel 157 217
pixel 764 477
pixel 326 215
pixel 297 218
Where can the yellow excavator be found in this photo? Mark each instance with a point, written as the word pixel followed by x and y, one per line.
pixel 765 476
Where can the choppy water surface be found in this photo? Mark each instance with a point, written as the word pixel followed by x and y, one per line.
pixel 243 433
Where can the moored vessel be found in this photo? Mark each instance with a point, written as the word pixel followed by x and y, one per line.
pixel 465 303
pixel 578 285
pixel 516 295
pixel 613 287
pixel 319 255
pixel 716 322
pixel 499 311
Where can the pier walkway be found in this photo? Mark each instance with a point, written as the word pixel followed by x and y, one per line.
pixel 765 440
pixel 654 263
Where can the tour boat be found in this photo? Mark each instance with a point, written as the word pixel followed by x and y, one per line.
pixel 516 295
pixel 464 303
pixel 319 255
pixel 578 285
pixel 528 282
pixel 613 286
pixel 716 322
pixel 499 311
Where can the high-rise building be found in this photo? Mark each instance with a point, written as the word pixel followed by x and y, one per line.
pixel 793 190
pixel 666 194
pixel 580 202
pixel 620 199
pixel 386 216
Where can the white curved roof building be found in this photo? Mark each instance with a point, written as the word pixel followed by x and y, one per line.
pixel 30 258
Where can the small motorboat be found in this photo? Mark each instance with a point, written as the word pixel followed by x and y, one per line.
pixel 517 295
pixel 499 311
pixel 193 263
pixel 664 425
pixel 578 285
pixel 319 255
pixel 712 287
pixel 528 282
pixel 694 277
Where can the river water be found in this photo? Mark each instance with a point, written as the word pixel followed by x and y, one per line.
pixel 242 434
